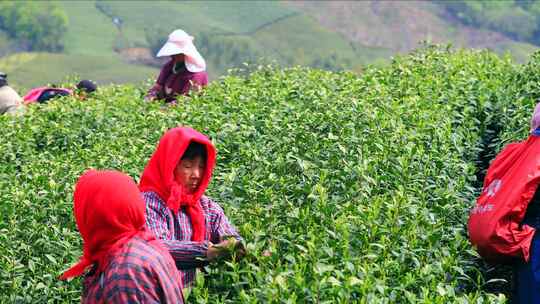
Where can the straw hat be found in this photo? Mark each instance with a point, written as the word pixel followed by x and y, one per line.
pixel 180 42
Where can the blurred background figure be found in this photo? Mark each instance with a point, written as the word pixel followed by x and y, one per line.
pixel 10 100
pixel 44 94
pixel 185 70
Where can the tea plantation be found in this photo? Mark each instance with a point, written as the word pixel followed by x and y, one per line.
pixel 347 188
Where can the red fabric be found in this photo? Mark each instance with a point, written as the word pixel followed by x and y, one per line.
pixel 109 211
pixel 495 222
pixel 33 95
pixel 158 176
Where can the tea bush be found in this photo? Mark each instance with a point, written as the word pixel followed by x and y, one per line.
pixel 346 188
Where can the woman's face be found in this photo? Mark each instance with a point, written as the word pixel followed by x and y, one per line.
pixel 189 173
pixel 178 57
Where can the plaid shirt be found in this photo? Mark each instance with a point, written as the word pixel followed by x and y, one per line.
pixel 175 232
pixel 139 273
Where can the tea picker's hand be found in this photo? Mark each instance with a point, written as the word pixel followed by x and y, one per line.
pixel 226 249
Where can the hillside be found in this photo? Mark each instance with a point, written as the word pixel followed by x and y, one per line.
pixel 274 31
pixel 92 34
pixel 348 188
pixel 332 35
pixel 400 26
pixel 28 70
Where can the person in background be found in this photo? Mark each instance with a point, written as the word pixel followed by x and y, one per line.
pixel 85 88
pixel 192 226
pixel 122 261
pixel 44 94
pixel 10 101
pixel 185 71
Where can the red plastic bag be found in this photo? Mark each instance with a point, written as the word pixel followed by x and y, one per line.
pixel 35 95
pixel 495 222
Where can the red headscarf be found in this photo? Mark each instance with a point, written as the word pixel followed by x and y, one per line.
pixel 158 176
pixel 109 211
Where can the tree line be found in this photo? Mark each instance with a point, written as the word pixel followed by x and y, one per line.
pixel 34 26
pixel 518 19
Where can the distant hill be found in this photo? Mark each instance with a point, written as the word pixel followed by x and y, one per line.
pixel 332 35
pixel 28 70
pixel 400 25
pixel 274 31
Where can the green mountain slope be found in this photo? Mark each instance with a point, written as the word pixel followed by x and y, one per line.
pixel 401 25
pixel 271 29
pixel 195 16
pixel 326 34
pixel 27 70
pixel 278 32
pixel 89 33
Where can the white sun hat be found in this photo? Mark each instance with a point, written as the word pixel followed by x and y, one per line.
pixel 180 42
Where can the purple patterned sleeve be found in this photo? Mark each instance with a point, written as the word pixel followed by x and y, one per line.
pixel 221 227
pixel 187 254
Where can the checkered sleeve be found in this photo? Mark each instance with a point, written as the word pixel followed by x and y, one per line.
pixel 186 254
pixel 132 283
pixel 221 227
pixel 169 281
pixel 141 275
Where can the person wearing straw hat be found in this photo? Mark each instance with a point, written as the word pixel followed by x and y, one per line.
pixel 122 262
pixel 184 72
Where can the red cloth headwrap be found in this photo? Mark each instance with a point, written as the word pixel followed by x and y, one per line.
pixel 158 176
pixel 109 211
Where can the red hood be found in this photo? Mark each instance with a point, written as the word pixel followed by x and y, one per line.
pixel 109 211
pixel 158 176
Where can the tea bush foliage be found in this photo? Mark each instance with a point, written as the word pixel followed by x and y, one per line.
pixel 346 188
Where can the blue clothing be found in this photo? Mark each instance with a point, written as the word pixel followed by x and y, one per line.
pixel 527 274
pixel 527 277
